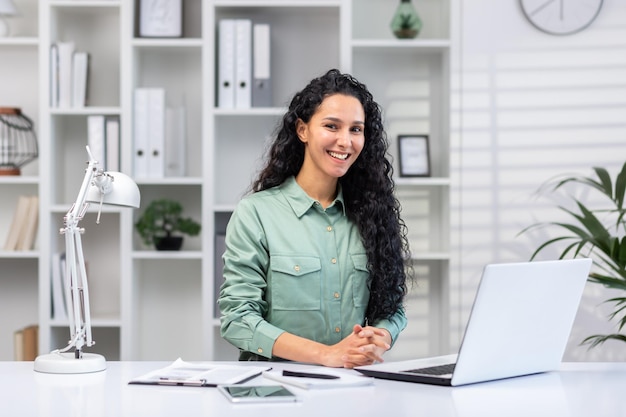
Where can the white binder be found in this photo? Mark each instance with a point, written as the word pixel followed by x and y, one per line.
pixel 80 70
pixel 140 133
pixel 175 142
pixel 226 64
pixel 66 53
pixel 261 67
pixel 243 63
pixel 96 137
pixel 156 136
pixel 112 143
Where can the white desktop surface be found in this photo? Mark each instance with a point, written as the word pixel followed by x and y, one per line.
pixel 578 389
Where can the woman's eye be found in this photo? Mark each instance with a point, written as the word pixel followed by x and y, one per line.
pixel 357 129
pixel 331 126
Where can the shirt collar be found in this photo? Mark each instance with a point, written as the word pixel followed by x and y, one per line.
pixel 301 202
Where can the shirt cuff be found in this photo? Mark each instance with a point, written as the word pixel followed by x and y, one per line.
pixel 394 326
pixel 264 338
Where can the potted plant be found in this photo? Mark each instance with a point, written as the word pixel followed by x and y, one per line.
pixel 160 223
pixel 598 233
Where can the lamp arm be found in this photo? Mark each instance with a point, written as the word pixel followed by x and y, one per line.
pixel 76 286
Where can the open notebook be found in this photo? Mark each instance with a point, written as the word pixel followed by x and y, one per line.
pixel 519 325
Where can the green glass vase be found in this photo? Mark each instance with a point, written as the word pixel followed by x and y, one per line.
pixel 406 23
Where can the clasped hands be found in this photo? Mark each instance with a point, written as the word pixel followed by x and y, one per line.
pixel 364 346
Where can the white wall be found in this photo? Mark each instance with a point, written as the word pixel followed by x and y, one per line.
pixel 528 106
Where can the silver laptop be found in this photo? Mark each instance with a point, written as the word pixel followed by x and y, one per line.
pixel 519 325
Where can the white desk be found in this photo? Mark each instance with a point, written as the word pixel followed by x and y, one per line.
pixel 579 389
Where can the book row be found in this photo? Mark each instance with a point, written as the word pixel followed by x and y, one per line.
pixel 24 225
pixel 69 73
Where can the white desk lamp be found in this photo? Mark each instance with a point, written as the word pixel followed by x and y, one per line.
pixel 100 187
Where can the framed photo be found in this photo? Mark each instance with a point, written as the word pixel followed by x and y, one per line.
pixel 160 18
pixel 414 156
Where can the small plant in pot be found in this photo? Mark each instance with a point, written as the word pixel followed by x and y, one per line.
pixel 162 223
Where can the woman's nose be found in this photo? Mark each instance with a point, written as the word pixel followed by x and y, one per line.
pixel 343 138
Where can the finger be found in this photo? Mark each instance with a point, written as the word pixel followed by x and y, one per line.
pixel 372 352
pixel 352 360
pixel 372 331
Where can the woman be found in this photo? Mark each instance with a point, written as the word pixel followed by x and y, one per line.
pixel 315 256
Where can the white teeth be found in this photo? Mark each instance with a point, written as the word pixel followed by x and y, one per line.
pixel 342 156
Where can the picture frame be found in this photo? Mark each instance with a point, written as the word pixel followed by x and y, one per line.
pixel 160 18
pixel 414 155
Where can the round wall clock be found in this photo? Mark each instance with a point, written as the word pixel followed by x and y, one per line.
pixel 561 17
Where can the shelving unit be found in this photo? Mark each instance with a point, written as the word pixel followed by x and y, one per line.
pixel 149 305
pixel 19 271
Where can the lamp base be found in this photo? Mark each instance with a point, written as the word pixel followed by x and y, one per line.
pixel 65 363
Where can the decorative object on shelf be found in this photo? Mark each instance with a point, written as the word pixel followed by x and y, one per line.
pixel 18 142
pixel 406 23
pixel 7 8
pixel 111 188
pixel 161 220
pixel 561 17
pixel 414 156
pixel 597 233
pixel 160 18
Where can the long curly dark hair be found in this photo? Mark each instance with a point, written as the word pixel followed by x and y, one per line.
pixel 368 188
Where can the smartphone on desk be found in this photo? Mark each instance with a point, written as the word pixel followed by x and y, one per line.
pixel 257 393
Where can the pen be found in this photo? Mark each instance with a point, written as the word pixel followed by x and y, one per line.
pixel 308 375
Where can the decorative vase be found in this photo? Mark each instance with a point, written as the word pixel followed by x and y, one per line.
pixel 406 23
pixel 169 243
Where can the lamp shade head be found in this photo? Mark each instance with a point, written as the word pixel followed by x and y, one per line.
pixel 114 188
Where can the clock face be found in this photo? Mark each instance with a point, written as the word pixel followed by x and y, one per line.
pixel 561 17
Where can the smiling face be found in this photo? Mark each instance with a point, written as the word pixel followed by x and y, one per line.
pixel 333 138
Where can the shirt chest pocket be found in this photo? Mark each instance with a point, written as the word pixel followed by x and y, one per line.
pixel 360 275
pixel 296 283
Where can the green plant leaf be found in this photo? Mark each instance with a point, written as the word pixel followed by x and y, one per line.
pixel 598 233
pixel 620 189
pixel 598 339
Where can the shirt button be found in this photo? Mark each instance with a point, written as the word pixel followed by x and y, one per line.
pixel 337 329
pixel 336 295
pixel 329 228
pixel 260 350
pixel 296 268
pixel 334 260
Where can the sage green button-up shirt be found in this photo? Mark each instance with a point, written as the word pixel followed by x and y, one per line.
pixel 291 266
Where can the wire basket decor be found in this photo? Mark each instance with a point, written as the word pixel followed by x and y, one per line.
pixel 18 142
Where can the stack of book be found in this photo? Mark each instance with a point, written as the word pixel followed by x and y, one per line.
pixel 103 138
pixel 26 341
pixel 69 70
pixel 23 229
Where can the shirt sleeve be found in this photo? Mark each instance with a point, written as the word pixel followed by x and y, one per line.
pixel 242 294
pixel 394 324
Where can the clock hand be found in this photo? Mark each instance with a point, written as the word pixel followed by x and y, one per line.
pixel 540 8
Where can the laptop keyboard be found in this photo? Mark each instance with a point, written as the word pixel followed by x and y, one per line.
pixel 434 370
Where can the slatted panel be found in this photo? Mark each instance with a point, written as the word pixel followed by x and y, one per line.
pixel 528 107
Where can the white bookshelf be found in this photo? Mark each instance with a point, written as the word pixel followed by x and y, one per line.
pixel 149 305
